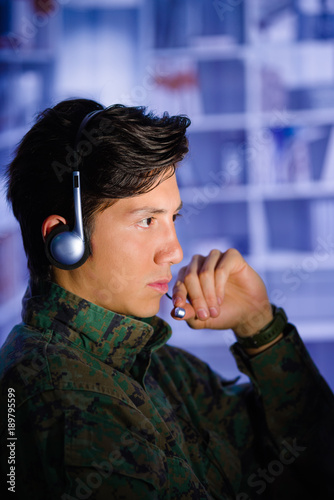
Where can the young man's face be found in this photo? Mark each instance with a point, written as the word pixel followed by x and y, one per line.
pixel 134 245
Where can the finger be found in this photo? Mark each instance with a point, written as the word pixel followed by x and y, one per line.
pixel 187 274
pixel 179 295
pixel 194 288
pixel 230 263
pixel 207 278
pixel 188 279
pixel 180 298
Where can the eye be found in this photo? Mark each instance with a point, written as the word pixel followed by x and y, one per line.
pixel 176 216
pixel 146 222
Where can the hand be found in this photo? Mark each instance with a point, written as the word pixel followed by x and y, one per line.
pixel 223 292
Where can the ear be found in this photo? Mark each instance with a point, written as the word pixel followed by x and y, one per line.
pixel 50 223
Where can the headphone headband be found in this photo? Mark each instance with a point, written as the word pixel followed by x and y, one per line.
pixel 83 124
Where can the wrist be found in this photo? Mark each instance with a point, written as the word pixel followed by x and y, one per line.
pixel 268 334
pixel 252 323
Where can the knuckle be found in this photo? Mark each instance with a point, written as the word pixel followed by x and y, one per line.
pixel 188 279
pixel 220 272
pixel 232 252
pixel 178 285
pixel 196 257
pixel 215 253
pixel 197 302
pixel 180 274
pixel 211 300
pixel 204 274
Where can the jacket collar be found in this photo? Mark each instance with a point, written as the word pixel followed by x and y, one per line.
pixel 113 338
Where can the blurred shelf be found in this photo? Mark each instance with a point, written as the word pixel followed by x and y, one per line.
pixel 27 56
pixel 283 261
pixel 222 50
pixel 221 47
pixel 280 46
pixel 296 118
pixel 262 192
pixel 273 119
pixel 228 121
pixel 106 4
pixel 298 190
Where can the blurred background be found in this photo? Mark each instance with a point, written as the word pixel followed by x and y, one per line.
pixel 257 80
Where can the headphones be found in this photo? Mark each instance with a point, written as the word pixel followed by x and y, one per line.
pixel 64 248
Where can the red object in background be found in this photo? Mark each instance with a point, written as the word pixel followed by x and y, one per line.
pixel 177 80
pixel 45 6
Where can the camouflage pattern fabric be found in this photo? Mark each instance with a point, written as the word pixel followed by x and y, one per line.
pixel 105 409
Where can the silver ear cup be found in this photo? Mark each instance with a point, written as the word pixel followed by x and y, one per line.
pixel 67 248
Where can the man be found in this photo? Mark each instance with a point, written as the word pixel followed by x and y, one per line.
pixel 100 406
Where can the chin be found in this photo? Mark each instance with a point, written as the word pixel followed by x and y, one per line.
pixel 147 310
pixel 148 313
pixel 137 306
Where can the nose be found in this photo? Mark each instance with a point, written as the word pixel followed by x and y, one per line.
pixel 170 250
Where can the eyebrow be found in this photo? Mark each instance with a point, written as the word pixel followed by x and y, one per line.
pixel 152 210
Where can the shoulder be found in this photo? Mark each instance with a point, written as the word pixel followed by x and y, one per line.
pixel 23 363
pixel 34 361
pixel 23 343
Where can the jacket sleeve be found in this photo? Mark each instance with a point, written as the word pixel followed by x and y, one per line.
pixel 298 413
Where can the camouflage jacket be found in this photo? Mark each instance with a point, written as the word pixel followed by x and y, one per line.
pixel 104 409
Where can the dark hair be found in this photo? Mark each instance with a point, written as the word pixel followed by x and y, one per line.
pixel 122 152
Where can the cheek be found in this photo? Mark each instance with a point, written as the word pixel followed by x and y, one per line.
pixel 119 260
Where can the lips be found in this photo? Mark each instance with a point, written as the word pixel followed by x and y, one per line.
pixel 160 286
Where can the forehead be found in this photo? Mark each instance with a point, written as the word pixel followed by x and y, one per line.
pixel 165 196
